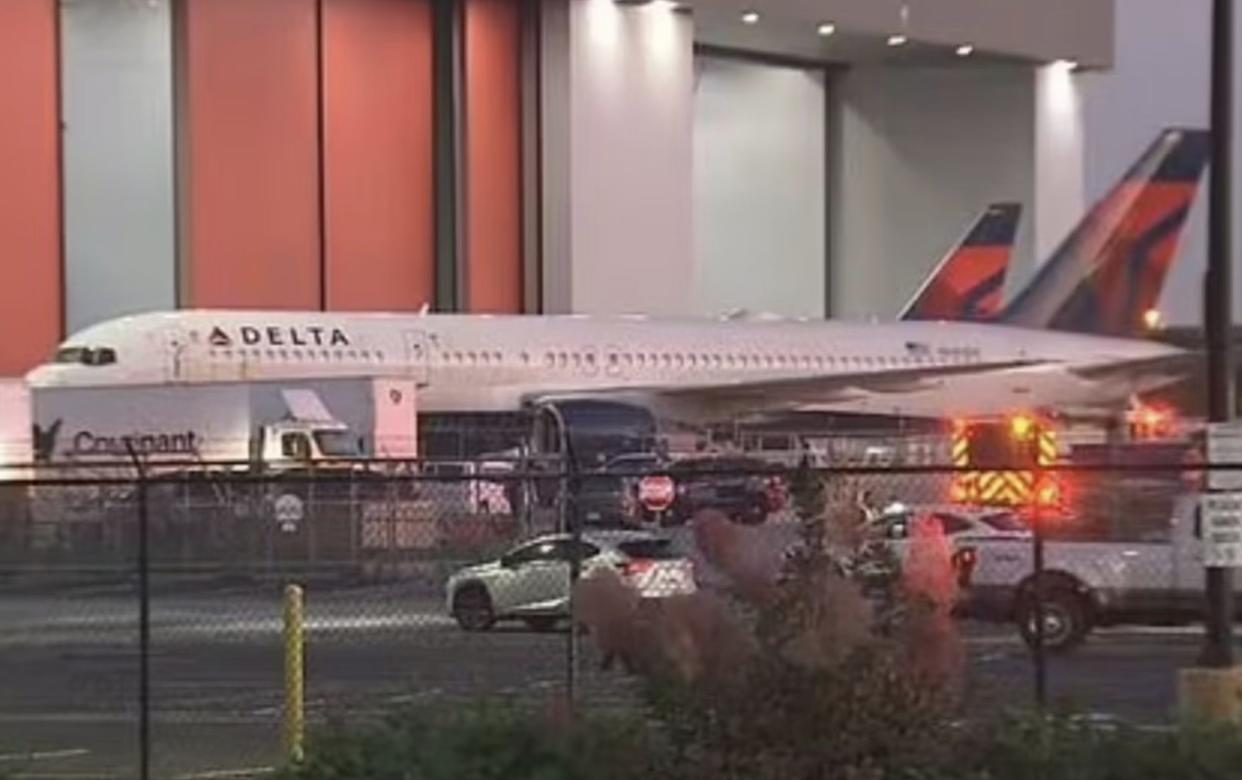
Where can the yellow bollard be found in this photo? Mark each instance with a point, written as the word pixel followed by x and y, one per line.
pixel 295 640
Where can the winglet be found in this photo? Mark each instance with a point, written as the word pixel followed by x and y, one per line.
pixel 967 284
pixel 1107 275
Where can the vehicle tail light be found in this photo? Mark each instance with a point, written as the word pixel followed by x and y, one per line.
pixel 964 562
pixel 775 494
pixel 633 568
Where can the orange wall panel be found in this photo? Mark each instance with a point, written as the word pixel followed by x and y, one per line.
pixel 379 183
pixel 493 155
pixel 30 245
pixel 252 153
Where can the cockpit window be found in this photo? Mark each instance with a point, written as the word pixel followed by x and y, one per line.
pixel 85 356
pixel 103 356
pixel 72 355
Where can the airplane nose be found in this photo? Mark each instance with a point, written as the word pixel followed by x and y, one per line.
pixel 40 375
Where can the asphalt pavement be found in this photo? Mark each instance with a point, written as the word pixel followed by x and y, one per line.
pixel 69 673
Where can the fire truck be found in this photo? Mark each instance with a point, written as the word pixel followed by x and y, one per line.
pixel 1005 461
pixel 1001 461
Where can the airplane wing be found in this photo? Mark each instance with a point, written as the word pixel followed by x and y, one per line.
pixel 764 395
pixel 1172 366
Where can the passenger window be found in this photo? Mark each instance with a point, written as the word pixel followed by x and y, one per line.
pixel 105 356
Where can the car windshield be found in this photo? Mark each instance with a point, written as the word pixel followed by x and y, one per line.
pixel 340 444
pixel 1004 521
pixel 649 549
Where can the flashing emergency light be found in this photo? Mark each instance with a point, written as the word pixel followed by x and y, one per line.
pixel 1150 422
pixel 1021 425
pixel 1049 494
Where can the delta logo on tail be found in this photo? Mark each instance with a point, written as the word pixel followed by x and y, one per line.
pixel 968 284
pixel 1108 273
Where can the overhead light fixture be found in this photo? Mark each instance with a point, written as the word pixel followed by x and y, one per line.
pixel 825 29
pixel 750 17
pixel 897 40
pixel 965 50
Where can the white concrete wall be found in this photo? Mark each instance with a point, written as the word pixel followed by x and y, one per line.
pixel 759 188
pixel 1059 200
pixel 629 135
pixel 917 154
pixel 118 158
pixel 1161 78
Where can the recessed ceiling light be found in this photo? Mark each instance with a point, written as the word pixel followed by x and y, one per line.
pixel 826 29
pixel 897 40
pixel 751 17
pixel 965 50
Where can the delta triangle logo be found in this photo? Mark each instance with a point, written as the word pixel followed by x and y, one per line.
pixel 219 338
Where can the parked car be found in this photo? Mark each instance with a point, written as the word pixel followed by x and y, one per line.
pixel 608 497
pixel 955 520
pixel 745 489
pixel 531 581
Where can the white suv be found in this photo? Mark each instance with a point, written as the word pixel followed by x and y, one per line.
pixel 531 581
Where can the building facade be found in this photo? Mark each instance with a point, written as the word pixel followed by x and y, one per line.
pixel 795 156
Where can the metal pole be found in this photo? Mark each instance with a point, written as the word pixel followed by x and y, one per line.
pixel 1041 659
pixel 295 639
pixel 1218 310
pixel 144 621
pixel 569 521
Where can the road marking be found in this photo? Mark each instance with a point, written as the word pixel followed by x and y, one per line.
pixel 222 774
pixel 65 776
pixel 45 755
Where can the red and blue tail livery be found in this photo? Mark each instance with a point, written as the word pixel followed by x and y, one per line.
pixel 968 283
pixel 1107 275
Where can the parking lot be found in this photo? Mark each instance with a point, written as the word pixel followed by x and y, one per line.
pixel 69 671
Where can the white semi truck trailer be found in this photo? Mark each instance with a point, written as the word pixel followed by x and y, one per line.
pixel 268 425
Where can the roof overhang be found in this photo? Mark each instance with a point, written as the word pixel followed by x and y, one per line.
pixel 1035 31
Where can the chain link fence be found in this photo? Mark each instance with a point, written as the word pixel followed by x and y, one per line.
pixel 145 613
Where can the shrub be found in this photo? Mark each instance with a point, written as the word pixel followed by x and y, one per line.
pixel 830 662
pixel 449 742
pixel 1066 747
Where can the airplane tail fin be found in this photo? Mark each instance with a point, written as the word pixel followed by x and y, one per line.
pixel 967 284
pixel 1106 277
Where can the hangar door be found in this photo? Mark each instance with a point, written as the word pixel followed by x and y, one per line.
pixel 760 184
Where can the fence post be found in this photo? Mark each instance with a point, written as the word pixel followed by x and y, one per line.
pixel 1041 660
pixel 294 642
pixel 144 619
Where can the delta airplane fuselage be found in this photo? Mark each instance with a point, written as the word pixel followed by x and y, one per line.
pixel 686 368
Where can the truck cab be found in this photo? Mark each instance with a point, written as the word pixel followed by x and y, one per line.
pixel 300 443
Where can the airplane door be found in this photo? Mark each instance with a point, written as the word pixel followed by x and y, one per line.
pixel 175 347
pixel 418 356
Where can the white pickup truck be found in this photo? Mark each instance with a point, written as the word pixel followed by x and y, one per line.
pixel 1156 578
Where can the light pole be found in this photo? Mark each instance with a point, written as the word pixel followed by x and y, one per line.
pixel 1218 310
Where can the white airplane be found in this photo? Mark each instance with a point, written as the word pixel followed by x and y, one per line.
pixel 694 370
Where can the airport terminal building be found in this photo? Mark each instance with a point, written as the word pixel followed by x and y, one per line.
pixel 805 158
